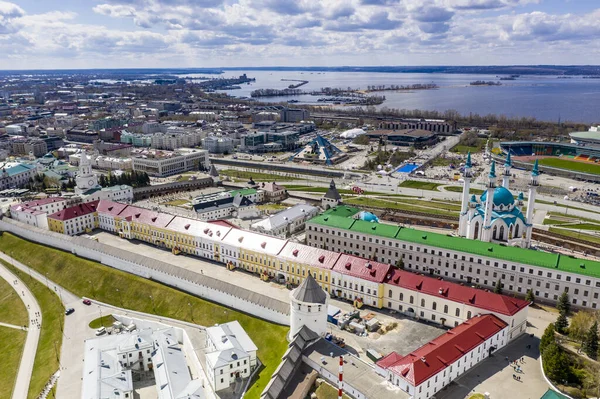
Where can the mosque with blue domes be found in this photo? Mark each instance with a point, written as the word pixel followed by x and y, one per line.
pixel 497 216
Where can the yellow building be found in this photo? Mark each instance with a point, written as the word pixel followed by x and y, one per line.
pixel 297 260
pixel 81 218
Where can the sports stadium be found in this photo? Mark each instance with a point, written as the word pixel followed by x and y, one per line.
pixel 580 160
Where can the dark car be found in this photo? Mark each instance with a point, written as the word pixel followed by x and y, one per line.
pixel 87 302
pixel 69 311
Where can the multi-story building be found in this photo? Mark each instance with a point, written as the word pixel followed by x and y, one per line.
pixel 172 141
pixel 429 369
pixel 35 213
pixel 37 147
pixel 16 175
pixel 294 115
pixel 230 354
pixel 163 164
pixel 217 206
pixel 433 125
pixel 285 223
pixel 137 140
pixel 74 220
pixel 218 144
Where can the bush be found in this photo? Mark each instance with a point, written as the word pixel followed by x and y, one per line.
pixel 391 326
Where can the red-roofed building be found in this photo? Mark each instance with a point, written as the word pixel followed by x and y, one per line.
pixel 75 219
pixel 448 303
pixel 108 213
pixel 35 213
pixel 436 364
pixel 359 280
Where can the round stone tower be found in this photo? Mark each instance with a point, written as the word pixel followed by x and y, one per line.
pixel 308 307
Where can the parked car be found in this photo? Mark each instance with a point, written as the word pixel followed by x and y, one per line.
pixel 87 302
pixel 100 331
pixel 69 311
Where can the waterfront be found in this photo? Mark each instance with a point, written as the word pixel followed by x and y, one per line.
pixel 543 97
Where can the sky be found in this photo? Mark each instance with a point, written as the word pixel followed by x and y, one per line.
pixel 54 34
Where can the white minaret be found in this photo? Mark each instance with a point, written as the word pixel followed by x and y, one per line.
pixel 463 220
pixel 486 231
pixel 308 307
pixel 533 184
pixel 506 175
pixel 86 178
pixel 470 213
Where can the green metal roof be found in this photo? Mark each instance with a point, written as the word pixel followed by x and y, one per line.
pixel 550 394
pixel 342 210
pixel 531 257
pixel 243 191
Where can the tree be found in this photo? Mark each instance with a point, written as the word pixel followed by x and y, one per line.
pixel 561 323
pixel 556 363
pixel 530 297
pixel 498 287
pixel 580 325
pixel 563 305
pixel 590 343
pixel 547 338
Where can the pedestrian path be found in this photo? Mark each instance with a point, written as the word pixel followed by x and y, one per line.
pixel 33 332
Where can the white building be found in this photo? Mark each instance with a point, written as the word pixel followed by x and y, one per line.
pixel 173 141
pixel 285 223
pixel 163 164
pixel 331 198
pixel 35 213
pixel 230 354
pixel 16 175
pixel 217 206
pixel 86 179
pixel 426 371
pixel 308 307
pixel 89 189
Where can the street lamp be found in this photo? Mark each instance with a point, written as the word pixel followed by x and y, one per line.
pixel 92 287
pixel 120 297
pixel 152 300
pixel 191 314
pixel 100 309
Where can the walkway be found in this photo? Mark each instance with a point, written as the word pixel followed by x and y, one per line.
pixel 33 333
pixel 13 326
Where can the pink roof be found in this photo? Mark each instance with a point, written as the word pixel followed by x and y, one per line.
pixel 315 257
pixel 75 211
pixel 23 208
pixel 198 228
pixel 366 269
pixel 271 187
pixel 433 357
pixel 223 223
pixel 111 207
pixel 455 292
pixel 43 201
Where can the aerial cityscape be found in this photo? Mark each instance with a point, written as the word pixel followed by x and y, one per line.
pixel 289 199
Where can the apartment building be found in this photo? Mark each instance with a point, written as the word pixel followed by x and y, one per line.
pixel 163 163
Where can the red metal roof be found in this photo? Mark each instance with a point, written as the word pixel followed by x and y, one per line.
pixel 478 298
pixel 433 357
pixel 111 207
pixel 361 268
pixel 75 211
pixel 314 257
pixel 223 223
pixel 43 201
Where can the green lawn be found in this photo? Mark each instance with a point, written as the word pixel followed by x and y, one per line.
pixel 134 292
pixel 567 164
pixel 477 396
pixel 421 185
pixel 326 391
pixel 431 208
pixel 12 309
pixel 177 202
pixel 571 219
pixel 256 176
pixel 458 189
pixel 576 234
pixel 577 226
pixel 53 314
pixel 13 340
pixel 555 221
pixel 104 321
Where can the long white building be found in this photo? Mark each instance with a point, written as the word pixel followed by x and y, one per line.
pixel 163 164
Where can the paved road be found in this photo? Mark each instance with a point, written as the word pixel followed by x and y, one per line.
pixel 33 332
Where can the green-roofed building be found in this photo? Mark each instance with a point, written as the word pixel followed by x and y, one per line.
pixel 253 194
pixel 551 394
pixel 458 258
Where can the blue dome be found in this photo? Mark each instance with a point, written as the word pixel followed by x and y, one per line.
pixel 368 217
pixel 501 197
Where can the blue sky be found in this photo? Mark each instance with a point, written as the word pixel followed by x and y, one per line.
pixel 45 34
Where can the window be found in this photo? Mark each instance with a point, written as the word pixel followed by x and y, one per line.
pixel 412 300
pixel 422 303
pixel 445 308
pixel 434 306
pixel 457 312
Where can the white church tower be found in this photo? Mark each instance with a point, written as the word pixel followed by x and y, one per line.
pixel 308 307
pixel 86 179
pixel 486 231
pixel 533 185
pixel 506 176
pixel 464 208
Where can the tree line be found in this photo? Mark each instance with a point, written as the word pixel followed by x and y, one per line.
pixel 134 179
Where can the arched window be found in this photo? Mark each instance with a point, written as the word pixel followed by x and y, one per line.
pixel 476 231
pixel 457 312
pixel 495 232
pixel 390 293
pixel 468 314
pixel 501 233
pixel 401 296
pixel 412 300
pixel 422 303
pixel 445 308
pixel 434 306
pixel 516 231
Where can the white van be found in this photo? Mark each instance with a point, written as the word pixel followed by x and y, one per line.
pixel 100 331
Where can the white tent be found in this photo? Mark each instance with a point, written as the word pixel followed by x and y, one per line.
pixel 352 133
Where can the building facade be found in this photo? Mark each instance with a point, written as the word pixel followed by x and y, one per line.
pixel 161 164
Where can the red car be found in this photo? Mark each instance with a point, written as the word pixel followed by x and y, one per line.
pixel 87 302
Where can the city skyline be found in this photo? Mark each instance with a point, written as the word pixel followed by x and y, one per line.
pixel 220 33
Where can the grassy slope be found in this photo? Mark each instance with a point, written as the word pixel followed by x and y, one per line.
pixel 12 309
pixel 12 346
pixel 53 313
pixel 459 189
pixel 576 234
pixel 417 206
pixel 66 269
pixel 256 176
pixel 421 185
pixel 326 391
